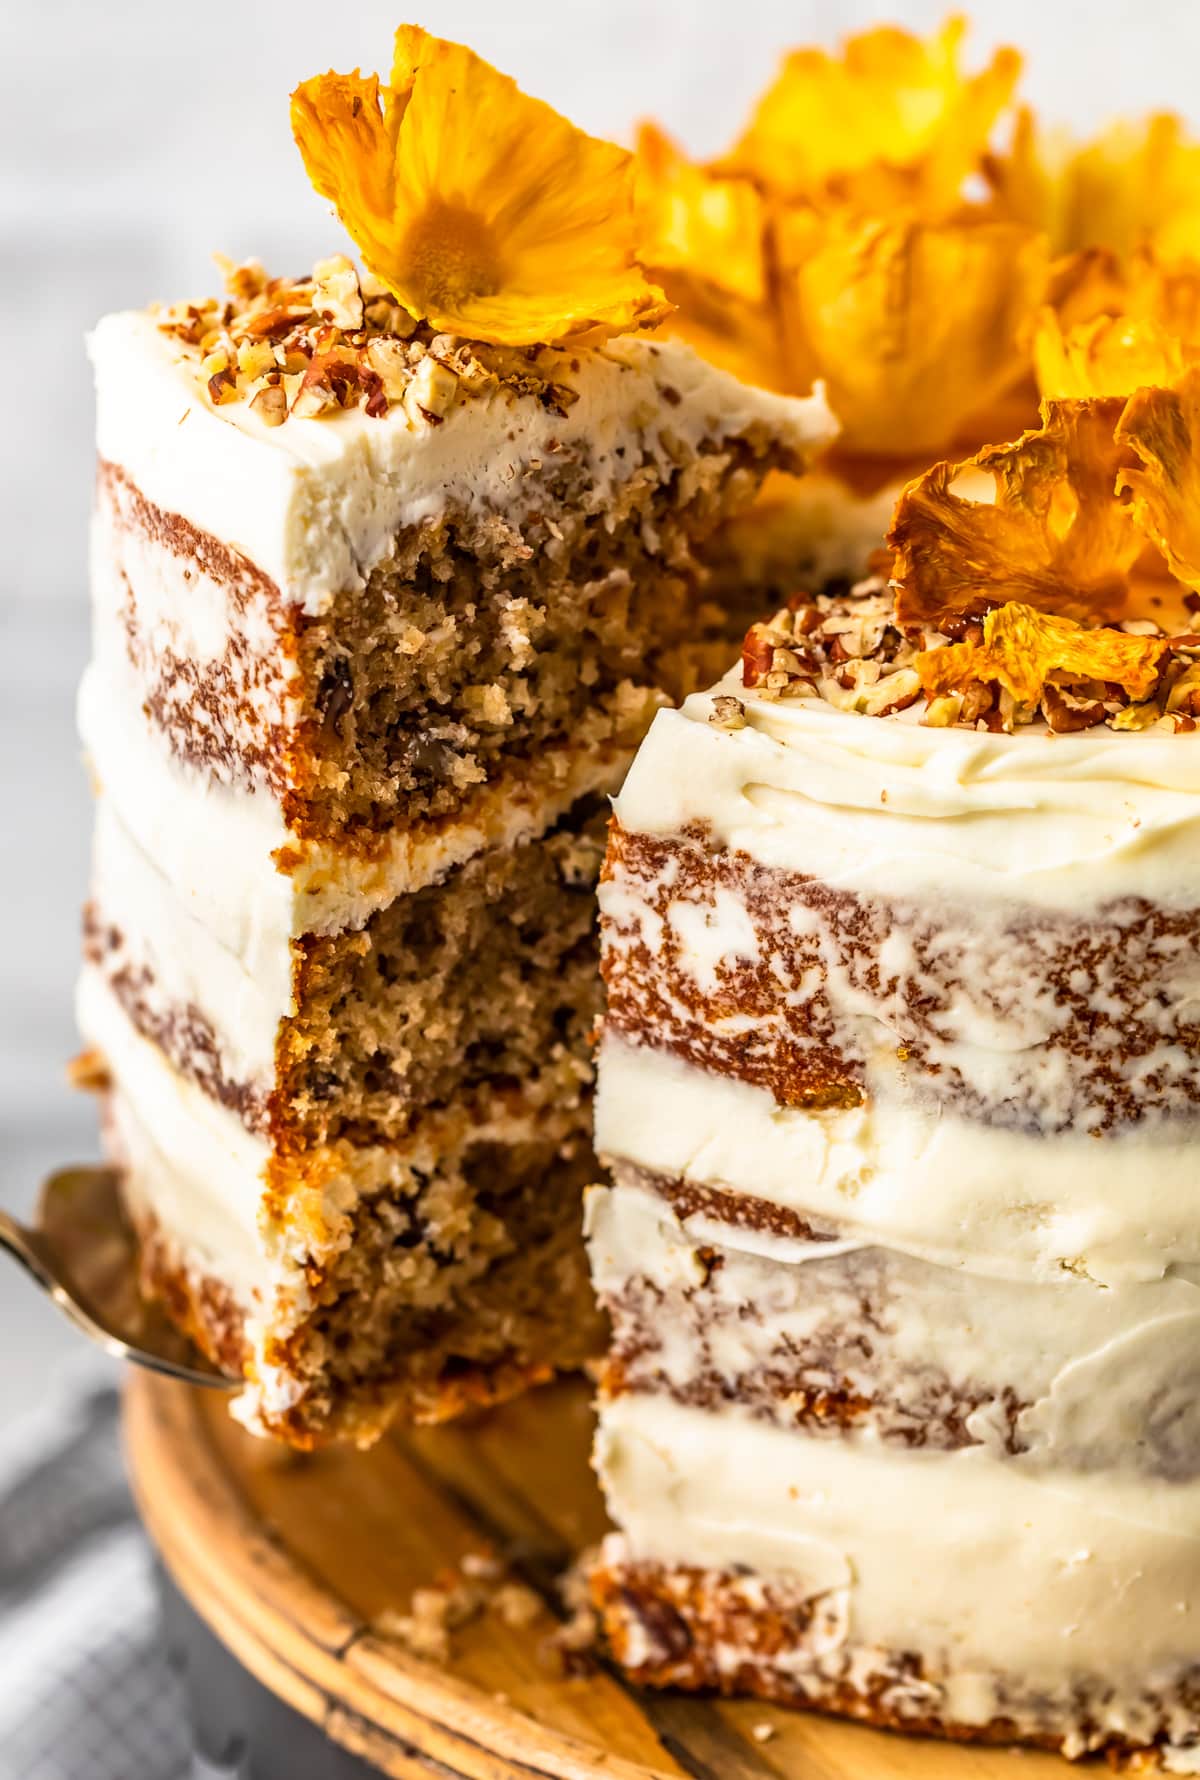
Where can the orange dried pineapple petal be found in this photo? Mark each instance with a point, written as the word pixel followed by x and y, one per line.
pixel 520 233
pixel 893 119
pixel 1055 537
pixel 1111 355
pixel 349 150
pixel 915 327
pixel 1113 326
pixel 1022 648
pixel 702 237
pixel 1162 429
pixel 693 220
pixel 1134 184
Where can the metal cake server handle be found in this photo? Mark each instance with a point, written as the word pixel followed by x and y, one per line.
pixel 83 1254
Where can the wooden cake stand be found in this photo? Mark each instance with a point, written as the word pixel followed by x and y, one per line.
pixel 298 1563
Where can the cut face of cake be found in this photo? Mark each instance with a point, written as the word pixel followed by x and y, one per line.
pixel 368 656
pixel 899 1086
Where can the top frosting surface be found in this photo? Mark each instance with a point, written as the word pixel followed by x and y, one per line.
pixel 315 502
pixel 889 806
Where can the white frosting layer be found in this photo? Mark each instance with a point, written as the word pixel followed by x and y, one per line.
pixel 182 964
pixel 162 620
pixel 213 844
pixel 946 1188
pixel 890 807
pixel 1069 1374
pixel 192 1164
pixel 984 1567
pixel 315 503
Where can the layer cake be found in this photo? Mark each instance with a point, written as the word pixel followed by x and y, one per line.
pixel 898 1088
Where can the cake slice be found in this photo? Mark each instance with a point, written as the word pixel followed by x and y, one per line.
pixel 899 1088
pixel 381 611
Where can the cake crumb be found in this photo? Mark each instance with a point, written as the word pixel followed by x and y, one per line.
pixel 517 1605
pixel 423 1630
pixel 482 1583
pixel 572 1644
pixel 483 1566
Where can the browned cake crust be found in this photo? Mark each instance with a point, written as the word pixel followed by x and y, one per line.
pixel 717 1631
pixel 788 1038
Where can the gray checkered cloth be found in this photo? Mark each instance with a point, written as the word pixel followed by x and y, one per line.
pixel 86 1691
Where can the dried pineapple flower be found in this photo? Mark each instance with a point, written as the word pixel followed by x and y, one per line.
pixel 483 211
pixel 1161 427
pixel 1054 536
pixel 835 243
pixel 1022 648
pixel 917 327
pixel 1113 326
pixel 893 120
pixel 690 216
pixel 703 238
pixel 1136 184
pixel 1111 355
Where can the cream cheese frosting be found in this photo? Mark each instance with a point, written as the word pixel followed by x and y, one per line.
pixel 190 1161
pixel 943 1187
pixel 315 503
pixel 1079 1375
pixel 988 1569
pixel 889 806
pixel 183 968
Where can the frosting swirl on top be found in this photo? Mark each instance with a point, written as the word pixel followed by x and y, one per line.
pixel 887 805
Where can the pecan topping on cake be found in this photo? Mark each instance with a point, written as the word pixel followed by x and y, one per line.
pixel 1010 668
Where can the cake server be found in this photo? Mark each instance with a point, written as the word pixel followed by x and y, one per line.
pixel 83 1254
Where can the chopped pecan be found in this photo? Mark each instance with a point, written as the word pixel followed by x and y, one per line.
pixel 758 648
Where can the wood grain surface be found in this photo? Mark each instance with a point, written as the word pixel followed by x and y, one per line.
pixel 297 1561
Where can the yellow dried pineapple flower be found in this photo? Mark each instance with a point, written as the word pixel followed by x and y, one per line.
pixel 1053 535
pixel 703 237
pixel 482 210
pixel 893 120
pixel 1111 327
pixel 1111 355
pixel 1023 647
pixel 918 328
pixel 1137 184
pixel 1161 427
pixel 1022 180
pixel 690 216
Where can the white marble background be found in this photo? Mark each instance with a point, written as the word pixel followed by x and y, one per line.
pixel 138 135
